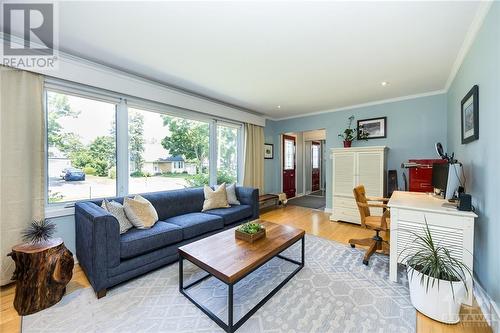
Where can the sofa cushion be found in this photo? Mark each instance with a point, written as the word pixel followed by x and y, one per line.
pixel 233 213
pixel 215 198
pixel 138 241
pixel 140 212
pixel 176 202
pixel 195 224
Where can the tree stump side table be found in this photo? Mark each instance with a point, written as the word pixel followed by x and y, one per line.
pixel 42 272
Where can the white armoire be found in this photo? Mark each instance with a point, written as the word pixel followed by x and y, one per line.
pixel 352 167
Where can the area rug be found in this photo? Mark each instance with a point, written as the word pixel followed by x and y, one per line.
pixel 308 201
pixel 334 292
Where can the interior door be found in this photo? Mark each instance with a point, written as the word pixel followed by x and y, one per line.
pixel 316 164
pixel 289 166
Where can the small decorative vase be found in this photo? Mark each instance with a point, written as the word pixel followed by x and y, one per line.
pixel 347 144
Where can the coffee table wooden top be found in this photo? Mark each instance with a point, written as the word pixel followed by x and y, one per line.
pixel 230 259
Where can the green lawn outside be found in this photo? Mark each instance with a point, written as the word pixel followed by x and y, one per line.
pixel 175 175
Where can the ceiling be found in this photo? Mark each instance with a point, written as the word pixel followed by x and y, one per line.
pixel 303 56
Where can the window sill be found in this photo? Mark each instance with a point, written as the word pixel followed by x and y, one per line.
pixel 59 211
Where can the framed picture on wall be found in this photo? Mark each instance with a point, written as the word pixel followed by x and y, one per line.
pixel 374 128
pixel 470 116
pixel 268 151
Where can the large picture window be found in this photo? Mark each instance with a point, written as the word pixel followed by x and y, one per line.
pixel 81 142
pixel 165 152
pixel 99 146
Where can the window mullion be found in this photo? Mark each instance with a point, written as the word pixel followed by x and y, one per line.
pixel 212 165
pixel 122 158
pixel 240 157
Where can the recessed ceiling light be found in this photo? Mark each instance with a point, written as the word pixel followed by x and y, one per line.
pixel 384 83
pixel 278 106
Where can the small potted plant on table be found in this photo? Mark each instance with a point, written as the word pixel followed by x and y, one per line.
pixel 250 232
pixel 437 280
pixel 350 134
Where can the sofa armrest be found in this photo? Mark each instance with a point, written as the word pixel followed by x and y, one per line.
pixel 97 242
pixel 249 196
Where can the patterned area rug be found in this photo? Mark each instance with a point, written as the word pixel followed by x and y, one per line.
pixel 334 292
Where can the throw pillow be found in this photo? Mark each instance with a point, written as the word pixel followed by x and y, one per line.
pixel 116 209
pixel 232 199
pixel 215 199
pixel 140 212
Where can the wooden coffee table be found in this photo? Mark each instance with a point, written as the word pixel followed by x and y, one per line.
pixel 230 260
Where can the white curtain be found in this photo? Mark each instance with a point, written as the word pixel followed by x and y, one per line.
pixel 22 151
pixel 254 157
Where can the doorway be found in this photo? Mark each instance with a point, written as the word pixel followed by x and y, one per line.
pixel 302 166
pixel 315 166
pixel 289 166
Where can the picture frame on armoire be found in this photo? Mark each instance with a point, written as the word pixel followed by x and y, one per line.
pixel 470 115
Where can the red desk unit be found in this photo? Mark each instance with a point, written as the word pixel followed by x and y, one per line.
pixel 420 179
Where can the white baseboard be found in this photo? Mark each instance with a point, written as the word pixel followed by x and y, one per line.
pixel 489 308
pixel 328 210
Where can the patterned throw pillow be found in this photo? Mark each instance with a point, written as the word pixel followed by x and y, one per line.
pixel 140 212
pixel 215 199
pixel 232 199
pixel 116 209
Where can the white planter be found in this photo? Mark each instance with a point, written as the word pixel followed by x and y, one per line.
pixel 436 303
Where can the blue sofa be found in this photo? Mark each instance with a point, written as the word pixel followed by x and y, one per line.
pixel 109 258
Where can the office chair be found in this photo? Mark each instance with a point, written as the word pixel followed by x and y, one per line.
pixel 377 223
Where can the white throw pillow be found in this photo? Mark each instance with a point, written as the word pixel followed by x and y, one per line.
pixel 232 199
pixel 116 209
pixel 215 199
pixel 140 212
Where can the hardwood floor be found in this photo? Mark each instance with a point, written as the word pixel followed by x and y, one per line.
pixel 313 222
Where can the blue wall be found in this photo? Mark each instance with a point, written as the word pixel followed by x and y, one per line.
pixel 65 228
pixel 481 158
pixel 413 127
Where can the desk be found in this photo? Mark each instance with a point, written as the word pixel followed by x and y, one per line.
pixel 449 227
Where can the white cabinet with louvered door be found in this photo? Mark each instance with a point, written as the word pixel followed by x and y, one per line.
pixel 352 167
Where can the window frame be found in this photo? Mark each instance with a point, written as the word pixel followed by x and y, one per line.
pixel 122 105
pixel 61 208
pixel 239 148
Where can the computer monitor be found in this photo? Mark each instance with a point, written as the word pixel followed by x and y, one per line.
pixel 446 177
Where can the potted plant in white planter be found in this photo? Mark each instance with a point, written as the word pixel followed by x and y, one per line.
pixel 436 279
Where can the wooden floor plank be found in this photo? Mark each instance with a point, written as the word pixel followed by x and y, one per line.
pixel 313 222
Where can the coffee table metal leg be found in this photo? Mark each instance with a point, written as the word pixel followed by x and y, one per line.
pixel 303 249
pixel 230 308
pixel 181 274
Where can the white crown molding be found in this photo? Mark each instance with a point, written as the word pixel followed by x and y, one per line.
pixel 83 71
pixel 356 106
pixel 470 37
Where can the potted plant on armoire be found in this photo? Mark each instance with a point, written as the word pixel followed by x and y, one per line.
pixel 350 134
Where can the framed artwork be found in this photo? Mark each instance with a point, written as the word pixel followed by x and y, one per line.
pixel 470 116
pixel 268 151
pixel 374 128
